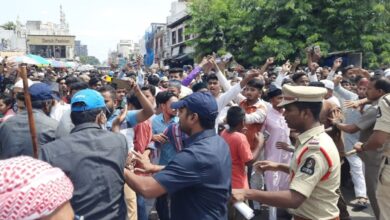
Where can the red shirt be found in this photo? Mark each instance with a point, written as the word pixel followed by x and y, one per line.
pixel 252 129
pixel 241 153
pixel 142 135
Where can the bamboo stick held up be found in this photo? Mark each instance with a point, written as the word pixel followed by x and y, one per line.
pixel 31 122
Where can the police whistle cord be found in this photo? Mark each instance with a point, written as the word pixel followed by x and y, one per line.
pixel 31 123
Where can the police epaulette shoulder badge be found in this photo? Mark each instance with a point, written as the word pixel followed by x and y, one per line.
pixel 313 144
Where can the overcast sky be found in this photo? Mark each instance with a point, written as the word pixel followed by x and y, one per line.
pixel 98 23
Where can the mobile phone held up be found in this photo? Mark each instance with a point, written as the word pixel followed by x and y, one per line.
pixel 122 104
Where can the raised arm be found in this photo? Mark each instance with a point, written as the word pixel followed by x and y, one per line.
pixel 336 65
pixel 147 108
pixel 194 73
pixel 345 94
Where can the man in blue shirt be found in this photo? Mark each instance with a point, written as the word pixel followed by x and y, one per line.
pixel 166 149
pixel 161 122
pixel 198 179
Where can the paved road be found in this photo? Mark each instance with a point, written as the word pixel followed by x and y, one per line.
pixel 349 196
pixel 366 214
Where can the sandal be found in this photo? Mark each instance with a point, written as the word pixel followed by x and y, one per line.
pixel 361 203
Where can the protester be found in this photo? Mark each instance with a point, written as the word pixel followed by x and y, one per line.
pixel 133 91
pixel 15 132
pixel 65 124
pixel 329 85
pixel 277 132
pixel 95 83
pixel 177 74
pixel 166 150
pixel 93 158
pixel 240 151
pixel 6 107
pixel 352 116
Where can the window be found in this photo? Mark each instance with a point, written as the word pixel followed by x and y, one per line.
pixel 173 37
pixel 48 51
pixel 187 37
pixel 180 35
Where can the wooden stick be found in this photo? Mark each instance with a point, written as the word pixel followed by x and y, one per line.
pixel 351 152
pixel 31 122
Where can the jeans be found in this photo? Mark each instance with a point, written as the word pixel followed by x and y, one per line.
pixel 141 208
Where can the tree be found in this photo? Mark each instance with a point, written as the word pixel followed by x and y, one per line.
pixel 9 26
pixel 253 30
pixel 89 60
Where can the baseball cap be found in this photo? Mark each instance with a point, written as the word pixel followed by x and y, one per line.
pixel 202 103
pixel 293 94
pixel 164 79
pixel 91 99
pixel 41 92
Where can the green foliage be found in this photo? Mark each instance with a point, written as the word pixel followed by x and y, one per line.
pixel 9 25
pixel 253 30
pixel 89 60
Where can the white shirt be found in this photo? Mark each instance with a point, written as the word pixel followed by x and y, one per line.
pixel 335 100
pixel 58 110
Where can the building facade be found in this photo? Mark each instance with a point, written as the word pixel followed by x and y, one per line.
pixel 13 42
pixel 151 46
pixel 51 46
pixel 179 53
pixel 50 40
pixel 80 49
pixel 161 45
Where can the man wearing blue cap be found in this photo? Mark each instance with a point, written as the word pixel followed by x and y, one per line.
pixel 198 179
pixel 15 139
pixel 93 158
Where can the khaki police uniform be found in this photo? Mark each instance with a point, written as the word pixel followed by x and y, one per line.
pixel 315 167
pixel 383 188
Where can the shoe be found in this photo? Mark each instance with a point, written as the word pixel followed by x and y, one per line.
pixel 361 203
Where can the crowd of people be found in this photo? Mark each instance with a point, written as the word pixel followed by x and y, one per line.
pixel 191 142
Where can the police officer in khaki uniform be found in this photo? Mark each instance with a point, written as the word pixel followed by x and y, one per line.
pixel 315 166
pixel 381 138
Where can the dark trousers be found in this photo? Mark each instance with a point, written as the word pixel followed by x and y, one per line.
pixel 249 175
pixel 342 205
pixel 162 207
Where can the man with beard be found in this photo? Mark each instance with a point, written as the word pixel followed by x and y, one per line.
pixel 167 150
pixel 352 116
pixel 109 95
pixel 93 158
pixel 15 139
